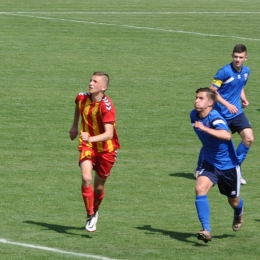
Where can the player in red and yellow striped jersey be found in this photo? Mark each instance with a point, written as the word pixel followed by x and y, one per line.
pixel 98 142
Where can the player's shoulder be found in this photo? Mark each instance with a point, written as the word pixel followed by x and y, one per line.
pixel 214 113
pixel 227 68
pixel 216 118
pixel 246 69
pixel 107 102
pixel 193 114
pixel 82 95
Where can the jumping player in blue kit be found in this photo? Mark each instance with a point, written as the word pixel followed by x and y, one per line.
pixel 220 164
pixel 229 83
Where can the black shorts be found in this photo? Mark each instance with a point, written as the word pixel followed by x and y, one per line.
pixel 238 123
pixel 228 180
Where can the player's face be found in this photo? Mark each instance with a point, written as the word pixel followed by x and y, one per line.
pixel 238 60
pixel 97 84
pixel 202 102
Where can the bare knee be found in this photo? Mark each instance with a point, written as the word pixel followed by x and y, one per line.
pixel 247 137
pixel 234 202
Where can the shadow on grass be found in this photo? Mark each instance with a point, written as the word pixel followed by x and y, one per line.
pixel 181 236
pixel 187 175
pixel 58 228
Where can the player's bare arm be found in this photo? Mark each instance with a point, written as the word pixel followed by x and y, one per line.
pixel 74 128
pixel 231 108
pixel 221 134
pixel 107 135
pixel 243 98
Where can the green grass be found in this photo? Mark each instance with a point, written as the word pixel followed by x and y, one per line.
pixel 156 61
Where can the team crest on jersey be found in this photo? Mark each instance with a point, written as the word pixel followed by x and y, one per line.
pixel 246 76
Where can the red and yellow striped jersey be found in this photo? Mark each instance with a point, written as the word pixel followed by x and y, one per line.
pixel 93 117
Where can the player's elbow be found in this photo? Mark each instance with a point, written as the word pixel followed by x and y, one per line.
pixel 109 135
pixel 228 136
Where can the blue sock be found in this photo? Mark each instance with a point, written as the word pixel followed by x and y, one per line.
pixel 238 209
pixel 242 151
pixel 203 211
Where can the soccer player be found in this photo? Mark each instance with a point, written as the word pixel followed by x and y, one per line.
pixel 220 163
pixel 98 142
pixel 229 83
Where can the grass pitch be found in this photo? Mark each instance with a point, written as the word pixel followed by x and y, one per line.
pixel 157 55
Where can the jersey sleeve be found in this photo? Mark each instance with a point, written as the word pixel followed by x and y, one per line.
pixel 193 116
pixel 108 112
pixel 81 96
pixel 218 122
pixel 219 78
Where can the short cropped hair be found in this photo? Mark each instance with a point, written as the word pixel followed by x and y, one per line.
pixel 103 74
pixel 211 94
pixel 239 48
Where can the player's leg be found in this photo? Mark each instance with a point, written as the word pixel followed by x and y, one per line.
pixel 237 204
pixel 247 139
pixel 203 185
pixel 198 167
pixel 86 164
pixel 99 191
pixel 88 193
pixel 103 166
pixel 243 148
pixel 87 188
pixel 229 185
pixel 242 125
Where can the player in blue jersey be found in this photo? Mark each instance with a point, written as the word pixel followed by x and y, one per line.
pixel 229 83
pixel 220 164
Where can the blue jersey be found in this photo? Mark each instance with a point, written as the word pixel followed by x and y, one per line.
pixel 230 83
pixel 217 152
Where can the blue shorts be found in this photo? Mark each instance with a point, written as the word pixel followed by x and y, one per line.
pixel 228 180
pixel 238 123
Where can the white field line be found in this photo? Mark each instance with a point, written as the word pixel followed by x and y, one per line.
pixel 132 13
pixel 54 250
pixel 131 26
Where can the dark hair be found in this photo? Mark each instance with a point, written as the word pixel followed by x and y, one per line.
pixel 239 48
pixel 101 73
pixel 211 94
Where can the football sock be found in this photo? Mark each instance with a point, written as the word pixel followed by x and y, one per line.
pixel 238 209
pixel 242 151
pixel 98 199
pixel 88 198
pixel 203 210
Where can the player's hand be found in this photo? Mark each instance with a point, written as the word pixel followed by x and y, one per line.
pixel 232 109
pixel 73 132
pixel 84 136
pixel 199 125
pixel 245 103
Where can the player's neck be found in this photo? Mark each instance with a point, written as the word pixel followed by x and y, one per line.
pixel 204 113
pixel 97 97
pixel 237 69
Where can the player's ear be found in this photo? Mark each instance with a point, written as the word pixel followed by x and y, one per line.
pixel 104 88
